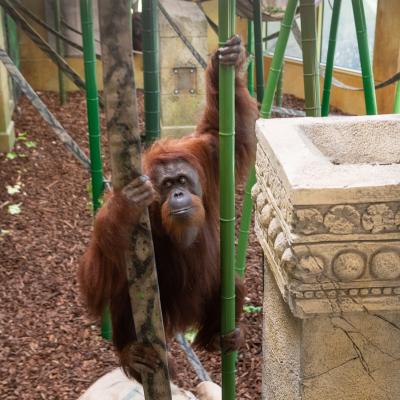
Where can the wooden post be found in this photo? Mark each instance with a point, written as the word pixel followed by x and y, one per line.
pixel 125 149
pixel 386 51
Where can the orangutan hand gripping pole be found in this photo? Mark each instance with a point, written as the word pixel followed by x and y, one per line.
pixel 181 190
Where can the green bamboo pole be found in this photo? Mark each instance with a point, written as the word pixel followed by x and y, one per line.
pixel 320 29
pixel 60 51
pixel 277 59
pixel 366 68
pixel 396 108
pixel 330 58
pixel 92 101
pixel 12 39
pixel 244 228
pixel 250 51
pixel 226 16
pixel 265 34
pixel 279 89
pixel 310 58
pixel 258 45
pixel 151 70
pixel 92 106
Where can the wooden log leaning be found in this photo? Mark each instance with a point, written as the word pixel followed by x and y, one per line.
pixel 125 149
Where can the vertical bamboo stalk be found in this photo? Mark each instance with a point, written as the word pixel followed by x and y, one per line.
pixel 320 29
pixel 227 195
pixel 244 227
pixel 396 107
pixel 245 220
pixel 277 59
pixel 250 51
pixel 92 106
pixel 258 45
pixel 60 51
pixel 330 58
pixel 92 101
pixel 366 68
pixel 310 58
pixel 12 39
pixel 265 34
pixel 279 89
pixel 151 70
pixel 125 150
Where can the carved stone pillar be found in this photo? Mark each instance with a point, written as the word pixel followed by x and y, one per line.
pixel 328 219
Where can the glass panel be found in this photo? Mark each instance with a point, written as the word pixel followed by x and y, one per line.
pixel 346 54
pixel 292 50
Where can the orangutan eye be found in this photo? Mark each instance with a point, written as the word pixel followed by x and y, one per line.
pixel 182 180
pixel 167 183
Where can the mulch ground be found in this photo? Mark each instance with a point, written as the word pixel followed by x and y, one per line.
pixel 49 348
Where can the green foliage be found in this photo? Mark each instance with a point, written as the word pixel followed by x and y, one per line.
pixel 30 144
pixel 21 138
pixel 248 308
pixel 190 335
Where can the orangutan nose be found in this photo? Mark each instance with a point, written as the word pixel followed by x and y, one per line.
pixel 180 200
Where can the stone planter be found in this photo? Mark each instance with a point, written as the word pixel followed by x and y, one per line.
pixel 328 219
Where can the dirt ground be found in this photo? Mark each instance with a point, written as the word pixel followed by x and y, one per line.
pixel 49 348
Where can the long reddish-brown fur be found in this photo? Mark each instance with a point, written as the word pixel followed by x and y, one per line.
pixel 189 279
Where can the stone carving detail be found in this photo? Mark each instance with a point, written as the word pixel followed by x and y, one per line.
pixel 261 200
pixel 280 244
pixel 348 266
pixel 309 221
pixel 342 219
pixel 254 192
pixel 268 177
pixel 386 264
pixel 266 215
pixel 378 218
pixel 273 229
pixel 348 219
pixel 326 258
pixel 397 219
pixel 308 269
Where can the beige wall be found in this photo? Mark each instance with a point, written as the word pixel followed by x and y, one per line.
pixel 42 73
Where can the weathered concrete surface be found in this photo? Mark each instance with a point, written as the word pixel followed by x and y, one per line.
pixel 182 77
pixel 328 219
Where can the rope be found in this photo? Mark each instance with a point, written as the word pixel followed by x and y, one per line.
pixel 42 44
pixel 35 18
pixel 210 22
pixel 193 359
pixel 288 112
pixel 176 28
pixel 62 134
